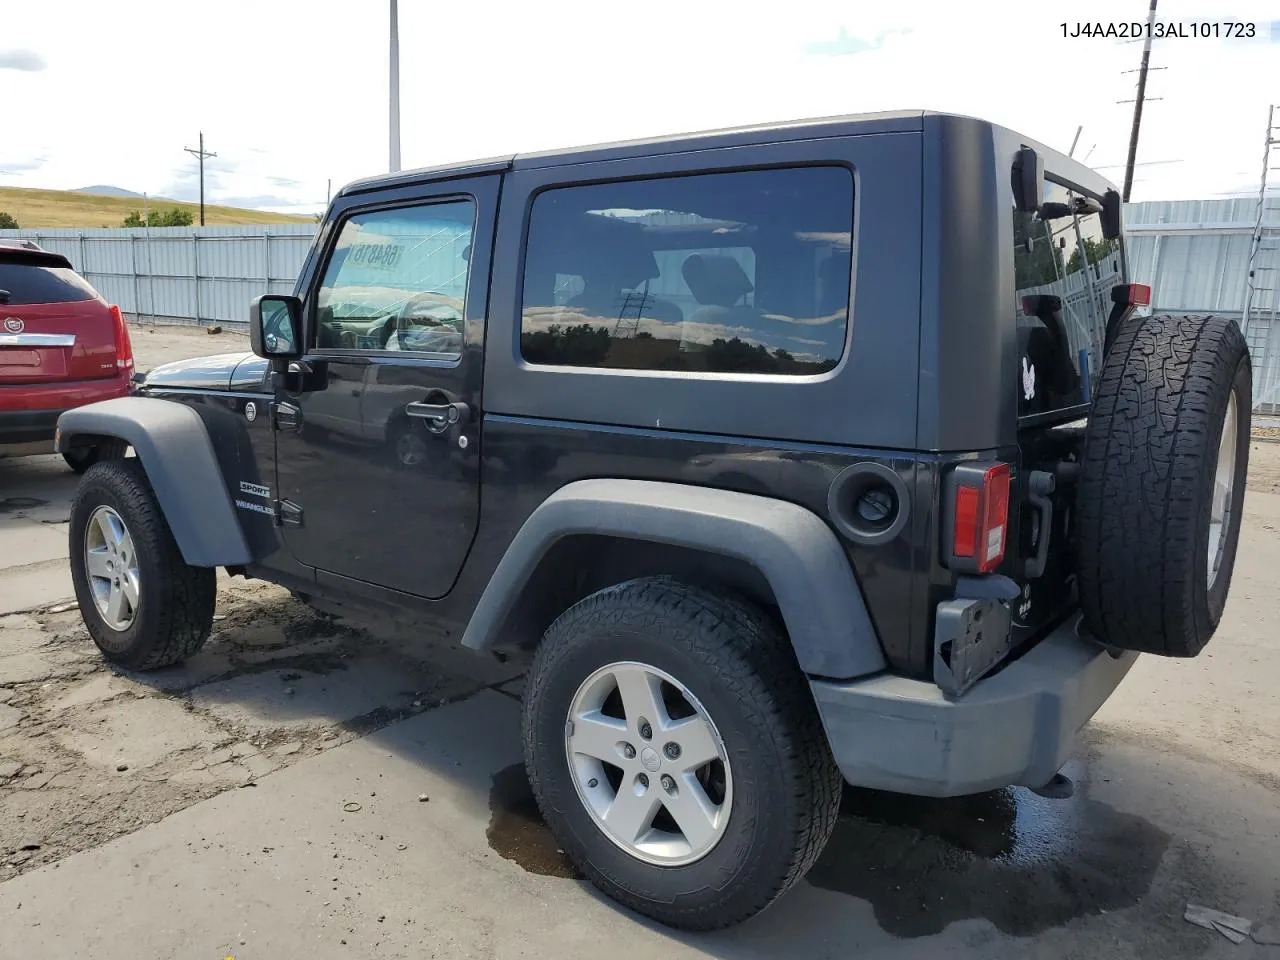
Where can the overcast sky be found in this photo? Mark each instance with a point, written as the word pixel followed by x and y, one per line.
pixel 290 93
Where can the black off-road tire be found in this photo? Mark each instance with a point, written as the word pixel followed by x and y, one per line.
pixel 738 664
pixel 82 458
pixel 1145 491
pixel 175 601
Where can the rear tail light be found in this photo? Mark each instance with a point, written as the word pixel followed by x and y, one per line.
pixel 1131 295
pixel 1139 295
pixel 124 346
pixel 977 524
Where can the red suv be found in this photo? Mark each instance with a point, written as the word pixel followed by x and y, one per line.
pixel 61 346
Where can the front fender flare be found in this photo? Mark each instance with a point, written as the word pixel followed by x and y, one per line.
pixel 797 553
pixel 173 444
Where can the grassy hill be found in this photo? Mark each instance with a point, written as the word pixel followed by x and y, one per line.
pixel 67 208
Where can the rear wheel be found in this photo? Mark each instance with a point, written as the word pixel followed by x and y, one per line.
pixel 82 458
pixel 676 753
pixel 1162 491
pixel 142 604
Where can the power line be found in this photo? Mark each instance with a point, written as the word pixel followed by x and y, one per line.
pixel 1144 163
pixel 202 154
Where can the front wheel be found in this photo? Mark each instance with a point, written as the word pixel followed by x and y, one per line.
pixel 676 753
pixel 141 603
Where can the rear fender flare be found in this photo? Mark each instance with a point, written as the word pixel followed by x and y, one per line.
pixel 795 550
pixel 173 444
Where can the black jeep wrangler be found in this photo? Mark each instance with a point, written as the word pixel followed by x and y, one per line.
pixel 813 452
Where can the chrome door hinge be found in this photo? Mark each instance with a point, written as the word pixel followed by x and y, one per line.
pixel 287 512
pixel 286 416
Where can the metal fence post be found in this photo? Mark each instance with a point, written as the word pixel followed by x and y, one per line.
pixel 1155 270
pixel 195 271
pixel 137 287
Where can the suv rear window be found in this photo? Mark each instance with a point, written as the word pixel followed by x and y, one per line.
pixel 742 272
pixel 1062 299
pixel 37 283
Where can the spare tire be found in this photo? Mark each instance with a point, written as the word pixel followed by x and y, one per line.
pixel 1162 488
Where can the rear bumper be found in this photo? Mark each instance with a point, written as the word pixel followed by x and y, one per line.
pixel 27 426
pixel 1016 727
pixel 29 412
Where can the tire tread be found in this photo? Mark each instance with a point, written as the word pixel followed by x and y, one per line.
pixel 1140 502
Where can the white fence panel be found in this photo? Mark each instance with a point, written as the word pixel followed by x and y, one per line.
pixel 191 274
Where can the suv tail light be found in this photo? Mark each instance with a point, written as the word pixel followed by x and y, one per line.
pixel 976 516
pixel 124 346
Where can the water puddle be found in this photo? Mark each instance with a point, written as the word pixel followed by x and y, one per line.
pixel 1021 861
pixel 516 829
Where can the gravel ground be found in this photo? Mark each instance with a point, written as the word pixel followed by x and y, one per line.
pixel 154 345
pixel 89 752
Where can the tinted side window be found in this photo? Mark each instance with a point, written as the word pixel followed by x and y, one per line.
pixel 745 272
pixel 32 283
pixel 1064 270
pixel 397 280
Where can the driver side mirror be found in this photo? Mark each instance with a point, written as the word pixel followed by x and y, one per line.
pixel 275 327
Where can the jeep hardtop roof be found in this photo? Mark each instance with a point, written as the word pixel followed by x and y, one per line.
pixel 901 121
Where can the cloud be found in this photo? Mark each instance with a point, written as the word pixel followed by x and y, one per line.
pixel 1247 190
pixel 26 60
pixel 284 182
pixel 185 182
pixel 8 167
pixel 259 201
pixel 846 45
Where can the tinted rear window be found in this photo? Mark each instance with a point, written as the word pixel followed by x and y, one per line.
pixel 1061 351
pixel 742 272
pixel 33 283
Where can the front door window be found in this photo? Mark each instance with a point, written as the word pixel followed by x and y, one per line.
pixel 397 281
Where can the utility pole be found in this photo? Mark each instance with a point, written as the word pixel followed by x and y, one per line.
pixel 202 153
pixel 395 88
pixel 328 191
pixel 1137 104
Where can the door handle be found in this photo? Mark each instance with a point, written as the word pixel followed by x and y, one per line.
pixel 441 413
